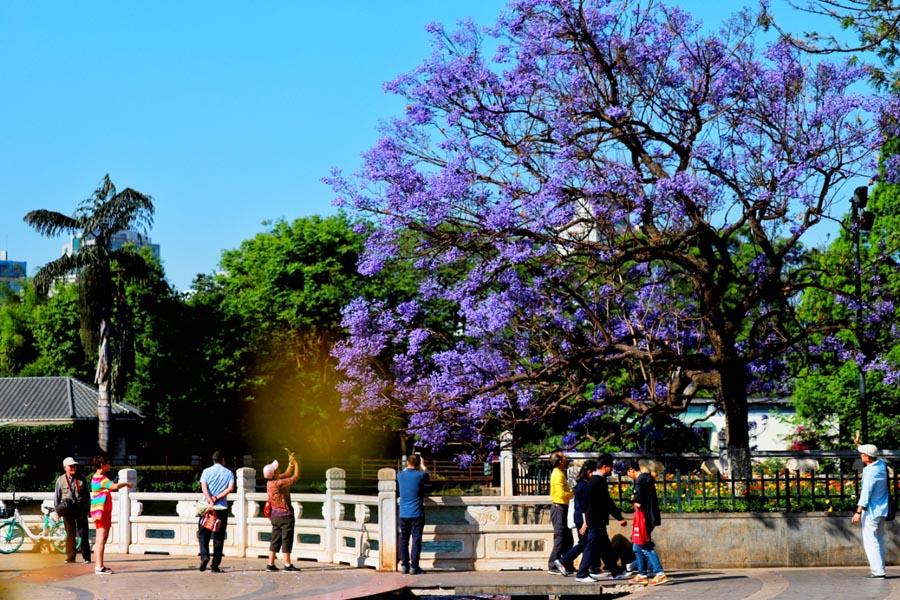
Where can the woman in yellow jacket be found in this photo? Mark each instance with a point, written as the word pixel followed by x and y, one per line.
pixel 560 495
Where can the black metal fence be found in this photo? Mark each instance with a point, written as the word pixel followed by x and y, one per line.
pixel 832 486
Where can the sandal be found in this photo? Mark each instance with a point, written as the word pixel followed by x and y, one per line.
pixel 103 571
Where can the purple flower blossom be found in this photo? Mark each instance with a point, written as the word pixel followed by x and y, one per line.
pixel 571 254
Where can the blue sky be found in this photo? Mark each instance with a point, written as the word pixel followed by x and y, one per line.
pixel 227 113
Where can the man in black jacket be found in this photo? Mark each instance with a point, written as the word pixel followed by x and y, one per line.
pixel 600 508
pixel 73 498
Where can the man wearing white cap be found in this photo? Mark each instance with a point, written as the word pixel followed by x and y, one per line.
pixel 72 500
pixel 872 508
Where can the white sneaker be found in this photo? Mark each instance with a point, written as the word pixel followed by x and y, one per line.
pixel 561 568
pixel 585 580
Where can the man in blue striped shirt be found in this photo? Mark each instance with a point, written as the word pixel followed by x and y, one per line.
pixel 872 508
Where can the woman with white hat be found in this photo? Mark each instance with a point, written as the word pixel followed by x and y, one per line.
pixel 281 513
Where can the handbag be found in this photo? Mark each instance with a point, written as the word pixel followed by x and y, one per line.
pixel 65 507
pixel 267 509
pixel 211 521
pixel 892 507
pixel 639 533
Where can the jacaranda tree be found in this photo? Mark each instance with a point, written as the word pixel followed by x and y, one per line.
pixel 612 202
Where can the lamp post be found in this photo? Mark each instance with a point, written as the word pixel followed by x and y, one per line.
pixel 861 220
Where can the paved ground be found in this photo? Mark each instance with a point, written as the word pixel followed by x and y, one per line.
pixel 39 576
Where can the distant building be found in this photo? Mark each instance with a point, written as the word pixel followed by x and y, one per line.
pixel 12 272
pixel 34 401
pixel 768 420
pixel 120 239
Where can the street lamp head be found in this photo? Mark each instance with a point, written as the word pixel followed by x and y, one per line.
pixel 860 196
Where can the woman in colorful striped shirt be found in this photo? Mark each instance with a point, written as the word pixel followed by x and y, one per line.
pixel 101 507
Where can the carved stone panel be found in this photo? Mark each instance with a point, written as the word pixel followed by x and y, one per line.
pixel 482 515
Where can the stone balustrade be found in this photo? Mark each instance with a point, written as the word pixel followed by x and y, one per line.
pixel 463 532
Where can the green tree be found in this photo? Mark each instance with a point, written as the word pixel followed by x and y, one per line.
pixel 17 346
pixel 55 329
pixel 279 296
pixel 827 388
pixel 100 270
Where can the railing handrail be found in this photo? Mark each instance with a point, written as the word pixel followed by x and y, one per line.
pixel 486 500
pixel 355 498
pixel 696 455
pixel 295 497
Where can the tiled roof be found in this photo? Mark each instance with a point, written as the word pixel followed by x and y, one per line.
pixel 52 398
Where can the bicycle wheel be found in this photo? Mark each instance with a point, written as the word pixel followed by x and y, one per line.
pixel 11 537
pixel 57 535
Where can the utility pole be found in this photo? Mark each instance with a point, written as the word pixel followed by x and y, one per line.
pixel 861 220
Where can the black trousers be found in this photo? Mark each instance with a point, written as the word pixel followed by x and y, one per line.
pixel 282 534
pixel 411 528
pixel 597 546
pixel 569 559
pixel 76 523
pixel 562 535
pixel 218 540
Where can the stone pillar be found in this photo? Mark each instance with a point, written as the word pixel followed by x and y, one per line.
pixel 246 484
pixel 507 464
pixel 387 520
pixel 335 484
pixel 123 499
pixel 723 453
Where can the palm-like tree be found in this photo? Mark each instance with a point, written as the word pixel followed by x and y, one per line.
pixel 101 273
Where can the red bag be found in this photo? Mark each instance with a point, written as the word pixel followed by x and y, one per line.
pixel 211 521
pixel 267 509
pixel 639 533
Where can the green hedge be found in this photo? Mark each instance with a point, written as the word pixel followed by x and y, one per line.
pixel 31 457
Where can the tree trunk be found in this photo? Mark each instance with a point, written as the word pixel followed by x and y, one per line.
pixel 101 378
pixel 733 388
pixel 104 414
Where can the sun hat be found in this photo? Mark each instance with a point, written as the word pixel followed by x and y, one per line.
pixel 270 469
pixel 69 461
pixel 868 449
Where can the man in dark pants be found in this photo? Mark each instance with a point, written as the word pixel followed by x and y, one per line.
pixel 216 481
pixel 600 508
pixel 411 482
pixel 72 489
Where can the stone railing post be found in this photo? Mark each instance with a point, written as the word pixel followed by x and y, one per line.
pixel 507 464
pixel 335 483
pixel 123 535
pixel 387 520
pixel 246 484
pixel 723 453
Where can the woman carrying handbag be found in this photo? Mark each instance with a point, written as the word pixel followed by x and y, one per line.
pixel 646 517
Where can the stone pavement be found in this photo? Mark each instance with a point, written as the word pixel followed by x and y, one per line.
pixel 38 576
